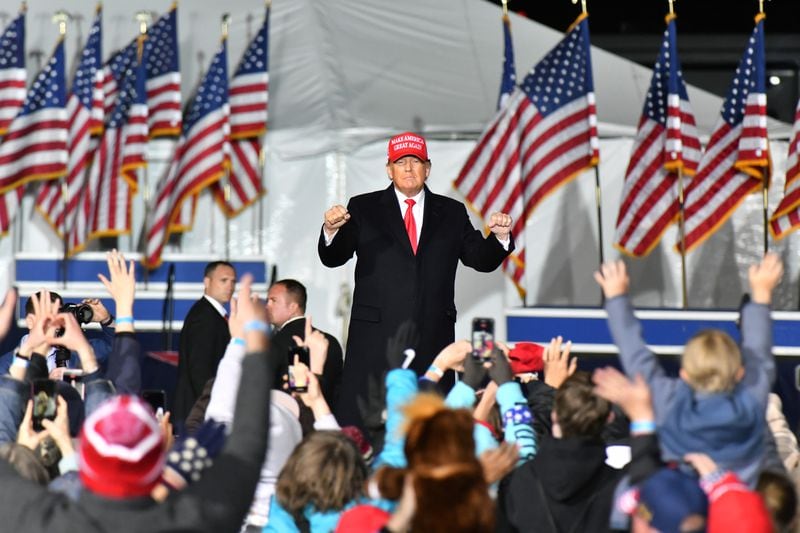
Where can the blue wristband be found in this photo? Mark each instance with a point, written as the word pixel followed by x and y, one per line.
pixel 256 325
pixel 237 341
pixel 124 320
pixel 643 426
pixel 433 369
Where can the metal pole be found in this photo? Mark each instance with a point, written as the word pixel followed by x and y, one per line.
pixel 682 232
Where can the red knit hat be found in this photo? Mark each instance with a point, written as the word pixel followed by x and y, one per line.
pixel 121 452
pixel 526 357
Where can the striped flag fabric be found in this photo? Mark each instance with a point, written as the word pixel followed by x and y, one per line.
pixel 35 147
pixel 786 217
pixel 736 160
pixel 83 105
pixel 12 71
pixel 249 90
pixel 544 136
pixel 666 143
pixel 164 76
pixel 200 158
pixel 105 205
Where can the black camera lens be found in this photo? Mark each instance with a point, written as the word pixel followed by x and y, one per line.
pixel 82 312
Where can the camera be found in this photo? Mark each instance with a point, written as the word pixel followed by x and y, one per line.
pixel 82 312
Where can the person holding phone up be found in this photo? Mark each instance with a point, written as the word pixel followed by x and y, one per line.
pixel 408 241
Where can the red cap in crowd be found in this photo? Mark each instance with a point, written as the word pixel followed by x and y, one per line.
pixel 407 144
pixel 526 357
pixel 121 452
pixel 362 519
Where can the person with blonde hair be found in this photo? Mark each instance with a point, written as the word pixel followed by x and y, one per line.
pixel 717 406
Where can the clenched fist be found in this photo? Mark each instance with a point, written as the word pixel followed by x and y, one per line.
pixel 500 225
pixel 335 217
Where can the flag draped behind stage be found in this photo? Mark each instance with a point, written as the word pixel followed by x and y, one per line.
pixel 12 71
pixel 249 90
pixel 84 107
pixel 544 135
pixel 666 144
pixel 200 158
pixel 736 160
pixel 35 146
pixel 786 217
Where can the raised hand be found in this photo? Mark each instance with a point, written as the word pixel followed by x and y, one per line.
pixel 335 217
pixel 557 364
pixel 27 436
pixel 43 326
pixel 500 225
pixel 632 396
pixel 317 345
pixel 7 312
pixel 122 285
pixel 500 370
pixel 613 278
pixel 764 277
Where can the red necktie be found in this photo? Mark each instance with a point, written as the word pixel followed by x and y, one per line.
pixel 411 225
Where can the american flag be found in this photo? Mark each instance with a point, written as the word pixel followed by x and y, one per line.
pixel 666 143
pixel 12 71
pixel 249 92
pixel 105 205
pixel 200 158
pixel 736 160
pixel 164 76
pixel 786 217
pixel 35 147
pixel 544 136
pixel 82 106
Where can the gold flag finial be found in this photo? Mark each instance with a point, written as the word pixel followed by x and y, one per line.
pixel 505 8
pixel 61 17
pixel 583 6
pixel 226 22
pixel 144 18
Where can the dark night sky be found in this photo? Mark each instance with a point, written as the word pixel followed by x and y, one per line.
pixel 646 16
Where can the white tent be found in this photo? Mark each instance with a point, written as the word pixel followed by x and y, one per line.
pixel 346 75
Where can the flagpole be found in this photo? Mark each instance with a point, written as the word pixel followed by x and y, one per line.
pixel 765 177
pixel 226 188
pixel 61 17
pixel 262 157
pixel 144 18
pixel 597 190
pixel 682 232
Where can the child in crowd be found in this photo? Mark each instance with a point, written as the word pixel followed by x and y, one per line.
pixel 718 404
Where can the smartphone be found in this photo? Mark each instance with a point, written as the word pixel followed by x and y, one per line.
pixel 70 374
pixel 298 383
pixel 43 392
pixel 482 338
pixel 157 398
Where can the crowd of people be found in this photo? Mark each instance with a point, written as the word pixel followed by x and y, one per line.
pixel 525 441
pixel 409 429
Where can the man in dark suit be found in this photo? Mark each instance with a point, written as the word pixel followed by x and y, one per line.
pixel 286 308
pixel 408 241
pixel 204 337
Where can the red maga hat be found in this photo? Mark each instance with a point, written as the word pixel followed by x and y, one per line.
pixel 407 144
